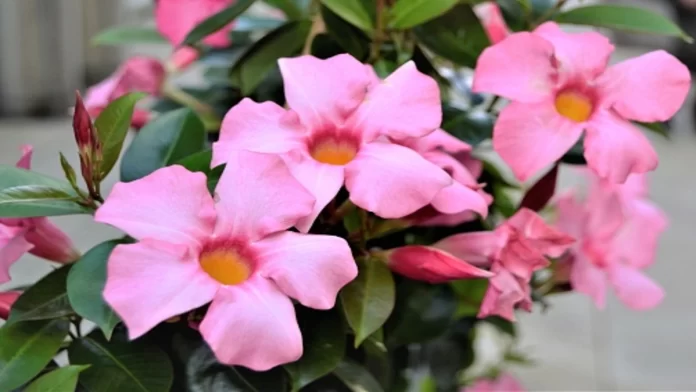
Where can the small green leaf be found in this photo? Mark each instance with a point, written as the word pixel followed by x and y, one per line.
pixel 60 380
pixel 112 126
pixel 353 11
pixel 289 7
pixel 656 127
pixel 369 299
pixel 26 347
pixel 25 193
pixel 47 299
pixel 255 64
pixel 121 365
pixel 356 377
pixel 324 347
pixel 408 13
pixel 624 18
pixel 165 140
pixel 69 172
pixel 128 35
pixel 216 22
pixel 348 37
pixel 86 283
pixel 198 162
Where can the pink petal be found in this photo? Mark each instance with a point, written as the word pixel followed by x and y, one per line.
pixel 518 68
pixel 152 281
pixel 176 18
pixel 382 179
pixel 530 137
pixel 50 242
pixel 648 88
pixel 7 299
pixel 521 258
pixel 140 73
pixel 183 57
pixel 253 325
pixel 438 140
pixel 508 383
pixel 171 204
pixel 478 248
pixel 572 215
pixel 637 241
pixel 99 95
pixel 614 148
pixel 537 233
pixel 258 196
pixel 431 265
pixel 13 245
pixel 503 294
pixel 324 92
pixel 25 161
pixel 457 198
pixel 492 20
pixel 588 279
pixel 634 288
pixel 259 127
pixel 605 213
pixel 405 104
pixel 309 268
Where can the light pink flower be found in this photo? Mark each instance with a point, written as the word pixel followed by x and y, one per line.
pixel 504 383
pixel 492 20
pixel 7 299
pixel 431 265
pixel 234 252
pixel 176 18
pixel 560 85
pixel 617 230
pixel 337 132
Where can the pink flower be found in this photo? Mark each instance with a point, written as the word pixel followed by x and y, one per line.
pixel 235 252
pixel 337 132
pixel 38 236
pixel 560 85
pixel 514 250
pixel 504 383
pixel 431 265
pixel 617 230
pixel 493 21
pixel 7 299
pixel 176 18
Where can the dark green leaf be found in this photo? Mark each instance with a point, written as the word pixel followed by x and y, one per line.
pixel 624 18
pixel 285 41
pixel 128 35
pixel 60 380
pixel 169 138
pixel 47 299
pixel 369 299
pixel 86 283
pixel 325 46
pixel 348 37
pixel 121 365
pixel 656 127
pixel 576 155
pixel 198 162
pixel 356 377
pixel 408 13
pixel 25 193
pixel 216 22
pixel 502 324
pixel 450 354
pixel 353 11
pixel 26 347
pixel 472 128
pixel 324 347
pixel 112 126
pixel 469 294
pixel 289 7
pixel 457 36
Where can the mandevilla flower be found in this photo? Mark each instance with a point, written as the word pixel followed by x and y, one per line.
pixel 176 18
pixel 617 230
pixel 492 20
pixel 430 264
pixel 234 252
pixel 560 86
pixel 7 299
pixel 337 132
pixel 503 383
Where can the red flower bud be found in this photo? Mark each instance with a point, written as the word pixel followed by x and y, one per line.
pixel 88 144
pixel 7 299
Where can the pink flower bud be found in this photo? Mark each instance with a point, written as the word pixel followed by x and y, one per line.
pixel 49 241
pixel 7 299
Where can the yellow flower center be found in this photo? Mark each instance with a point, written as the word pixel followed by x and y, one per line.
pixel 226 266
pixel 333 151
pixel 574 106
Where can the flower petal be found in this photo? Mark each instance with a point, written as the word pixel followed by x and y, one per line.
pixel 152 281
pixel 518 68
pixel 50 242
pixel 503 294
pixel 393 181
pixel 588 279
pixel 176 18
pixel 530 137
pixel 253 325
pixel 457 198
pixel 7 299
pixel 431 265
pixel 634 288
pixel 259 127
pixel 12 246
pixel 537 233
pixel 637 241
pixel 309 268
pixel 324 92
pixel 258 196
pixel 437 141
pixel 25 161
pixel 478 248
pixel 614 148
pixel 648 88
pixel 172 204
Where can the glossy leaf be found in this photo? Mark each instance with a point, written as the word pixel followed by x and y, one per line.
pixel 60 380
pixel 348 37
pixel 290 8
pixel 69 172
pixel 541 192
pixel 198 162
pixel 356 377
pixel 655 127
pixel 167 139
pixel 85 285
pixel 368 300
pixel 472 128
pixel 408 13
pixel 216 22
pixel 47 299
pixel 26 347
pixel 112 126
pixel 353 11
pixel 128 35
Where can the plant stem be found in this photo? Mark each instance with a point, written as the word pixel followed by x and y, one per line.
pixel 375 48
pixel 318 27
pixel 205 111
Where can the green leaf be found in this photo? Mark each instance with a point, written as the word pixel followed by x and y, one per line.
pixel 86 283
pixel 69 172
pixel 353 11
pixel 472 128
pixel 169 138
pixel 469 294
pixel 26 347
pixel 324 347
pixel 289 7
pixel 285 41
pixel 128 35
pixel 356 377
pixel 369 299
pixel 655 127
pixel 25 193
pixel 624 18
pixel 450 354
pixel 121 365
pixel 112 126
pixel 348 37
pixel 47 299
pixel 457 36
pixel 216 22
pixel 408 13
pixel 198 162
pixel 60 380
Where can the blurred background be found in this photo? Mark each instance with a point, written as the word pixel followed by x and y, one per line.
pixel 45 55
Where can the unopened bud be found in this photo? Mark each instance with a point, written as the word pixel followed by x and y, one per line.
pixel 7 299
pixel 88 144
